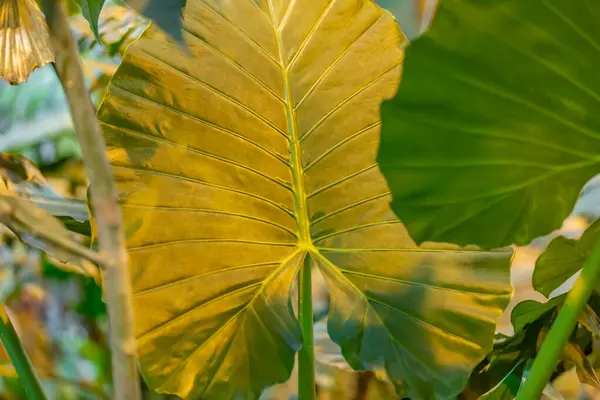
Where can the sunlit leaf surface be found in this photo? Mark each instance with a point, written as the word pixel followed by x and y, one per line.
pixel 257 150
pixel 24 40
pixel 495 127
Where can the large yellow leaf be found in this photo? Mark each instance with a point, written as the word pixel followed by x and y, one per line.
pixel 254 151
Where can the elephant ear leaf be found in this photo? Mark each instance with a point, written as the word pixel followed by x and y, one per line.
pixel 495 128
pixel 256 150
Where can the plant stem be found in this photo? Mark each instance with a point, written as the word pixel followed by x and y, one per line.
pixel 116 278
pixel 561 329
pixel 18 357
pixel 306 355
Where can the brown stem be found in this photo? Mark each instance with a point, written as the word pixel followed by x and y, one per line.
pixel 116 279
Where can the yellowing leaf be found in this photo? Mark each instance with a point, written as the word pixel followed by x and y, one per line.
pixel 255 151
pixel 24 40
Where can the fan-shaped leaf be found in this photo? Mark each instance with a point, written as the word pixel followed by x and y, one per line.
pixel 495 127
pixel 236 161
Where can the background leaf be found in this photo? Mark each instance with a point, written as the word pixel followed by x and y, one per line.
pixel 529 311
pixel 494 129
pixel 91 11
pixel 259 147
pixel 563 258
pixel 34 225
pixel 507 389
pixel 167 14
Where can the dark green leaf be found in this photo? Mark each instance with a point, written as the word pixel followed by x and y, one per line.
pixel 258 147
pixel 562 259
pixel 528 311
pixel 495 127
pixel 91 11
pixel 167 14
pixel 508 388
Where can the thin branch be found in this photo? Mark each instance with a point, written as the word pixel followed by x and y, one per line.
pixel 117 282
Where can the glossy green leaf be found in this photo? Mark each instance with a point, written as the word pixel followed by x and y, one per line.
pixel 529 311
pixel 91 11
pixel 495 128
pixel 259 147
pixel 562 259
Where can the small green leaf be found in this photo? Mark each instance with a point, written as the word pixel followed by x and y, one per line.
pixel 91 11
pixel 167 14
pixel 495 128
pixel 562 259
pixel 528 311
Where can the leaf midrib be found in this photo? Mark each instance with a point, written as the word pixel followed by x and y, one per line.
pixel 298 188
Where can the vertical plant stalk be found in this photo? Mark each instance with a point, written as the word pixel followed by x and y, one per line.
pixel 116 279
pixel 306 355
pixel 561 329
pixel 18 357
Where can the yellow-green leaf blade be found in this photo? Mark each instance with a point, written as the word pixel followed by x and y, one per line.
pixel 256 148
pixel 394 301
